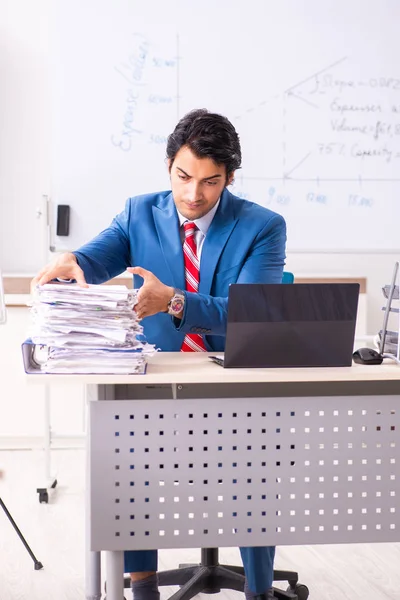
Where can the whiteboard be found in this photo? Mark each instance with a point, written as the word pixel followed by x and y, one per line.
pixel 313 89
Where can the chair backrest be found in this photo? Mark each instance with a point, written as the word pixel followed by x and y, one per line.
pixel 287 277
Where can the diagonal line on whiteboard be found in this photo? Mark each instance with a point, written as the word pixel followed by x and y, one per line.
pixel 287 175
pixel 315 74
pixel 292 95
pixel 257 106
pixel 289 90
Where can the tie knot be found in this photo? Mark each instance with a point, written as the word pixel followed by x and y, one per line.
pixel 189 228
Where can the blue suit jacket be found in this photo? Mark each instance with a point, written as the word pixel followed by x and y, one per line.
pixel 244 244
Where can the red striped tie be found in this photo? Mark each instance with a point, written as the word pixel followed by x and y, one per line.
pixel 193 342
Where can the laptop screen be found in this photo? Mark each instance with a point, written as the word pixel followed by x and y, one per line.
pixel 299 325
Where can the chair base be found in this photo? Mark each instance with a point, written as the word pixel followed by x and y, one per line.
pixel 209 577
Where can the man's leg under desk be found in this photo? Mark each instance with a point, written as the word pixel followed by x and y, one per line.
pixel 116 566
pixel 258 565
pixel 142 566
pixel 259 568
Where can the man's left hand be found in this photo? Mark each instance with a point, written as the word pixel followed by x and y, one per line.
pixel 153 296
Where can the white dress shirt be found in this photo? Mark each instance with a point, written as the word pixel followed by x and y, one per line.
pixel 202 225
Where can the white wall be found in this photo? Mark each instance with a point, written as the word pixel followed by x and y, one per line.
pixel 22 416
pixel 25 156
pixel 24 127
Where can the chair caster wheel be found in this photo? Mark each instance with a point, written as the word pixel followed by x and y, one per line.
pixel 43 497
pixel 302 592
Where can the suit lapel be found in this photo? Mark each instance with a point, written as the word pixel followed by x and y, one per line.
pixel 217 236
pixel 167 226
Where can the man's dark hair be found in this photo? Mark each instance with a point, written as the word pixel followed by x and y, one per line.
pixel 208 135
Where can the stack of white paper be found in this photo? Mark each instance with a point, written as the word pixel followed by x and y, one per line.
pixel 88 330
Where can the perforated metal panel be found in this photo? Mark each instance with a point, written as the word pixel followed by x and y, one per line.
pixel 244 472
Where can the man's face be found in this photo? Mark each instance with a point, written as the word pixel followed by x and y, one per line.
pixel 196 183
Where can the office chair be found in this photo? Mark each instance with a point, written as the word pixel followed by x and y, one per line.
pixel 287 277
pixel 210 577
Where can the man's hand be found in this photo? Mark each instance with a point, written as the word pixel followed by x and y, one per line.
pixel 153 296
pixel 64 266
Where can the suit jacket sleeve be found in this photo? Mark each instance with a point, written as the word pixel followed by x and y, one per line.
pixel 264 264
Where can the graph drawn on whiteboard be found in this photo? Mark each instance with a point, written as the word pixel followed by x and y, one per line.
pixel 337 150
pixel 319 130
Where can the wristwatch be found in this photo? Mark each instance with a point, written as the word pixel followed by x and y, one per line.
pixel 177 303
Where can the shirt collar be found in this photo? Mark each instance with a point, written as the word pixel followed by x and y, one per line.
pixel 204 222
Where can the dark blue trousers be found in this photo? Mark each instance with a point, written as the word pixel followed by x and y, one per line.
pixel 258 565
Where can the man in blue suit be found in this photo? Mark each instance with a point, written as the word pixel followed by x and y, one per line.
pixel 236 241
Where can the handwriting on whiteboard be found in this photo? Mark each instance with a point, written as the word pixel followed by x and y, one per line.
pixel 132 71
pixel 149 75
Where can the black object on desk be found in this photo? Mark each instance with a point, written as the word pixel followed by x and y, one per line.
pixel 367 356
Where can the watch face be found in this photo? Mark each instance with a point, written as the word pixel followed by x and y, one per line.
pixel 176 305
